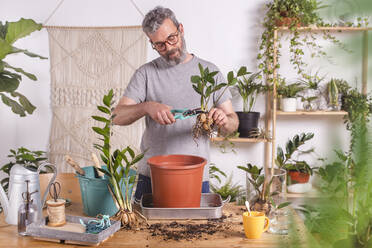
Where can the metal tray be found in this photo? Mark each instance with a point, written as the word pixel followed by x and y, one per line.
pixel 58 234
pixel 210 208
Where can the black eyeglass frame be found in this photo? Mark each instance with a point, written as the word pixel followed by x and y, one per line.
pixel 160 45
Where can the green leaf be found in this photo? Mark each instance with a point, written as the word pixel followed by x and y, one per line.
pixel 20 29
pixel 230 76
pixel 16 107
pixel 26 104
pixel 107 98
pixel 196 89
pixel 7 83
pixel 100 131
pixel 201 69
pixel 195 79
pixel 242 71
pixel 28 53
pixel 131 152
pixel 101 119
pixel 137 158
pixel 20 70
pixel 5 48
pixel 283 205
pixel 104 109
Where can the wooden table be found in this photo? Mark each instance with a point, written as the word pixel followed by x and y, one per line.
pixel 233 237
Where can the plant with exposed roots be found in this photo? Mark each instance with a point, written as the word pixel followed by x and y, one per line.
pixel 206 86
pixel 119 175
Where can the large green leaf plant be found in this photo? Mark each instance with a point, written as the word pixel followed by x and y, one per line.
pixel 118 173
pixel 11 76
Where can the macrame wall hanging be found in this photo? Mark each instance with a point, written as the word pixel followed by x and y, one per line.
pixel 85 63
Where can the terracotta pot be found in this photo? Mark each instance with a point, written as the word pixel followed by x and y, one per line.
pixel 299 177
pixel 286 22
pixel 176 180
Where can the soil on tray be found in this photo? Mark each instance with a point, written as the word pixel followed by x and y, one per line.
pixel 189 231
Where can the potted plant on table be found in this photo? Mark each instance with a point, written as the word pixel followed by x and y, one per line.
pixel 248 89
pixel 119 166
pixel 26 158
pixel 265 196
pixel 10 76
pixel 288 94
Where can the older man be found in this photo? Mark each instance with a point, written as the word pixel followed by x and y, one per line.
pixel 162 84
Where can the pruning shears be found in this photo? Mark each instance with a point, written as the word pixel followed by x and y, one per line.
pixel 183 114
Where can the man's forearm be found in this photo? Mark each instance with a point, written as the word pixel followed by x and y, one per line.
pixel 127 114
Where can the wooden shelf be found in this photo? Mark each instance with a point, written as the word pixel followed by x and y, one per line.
pixel 313 193
pixel 328 28
pixel 241 140
pixel 312 113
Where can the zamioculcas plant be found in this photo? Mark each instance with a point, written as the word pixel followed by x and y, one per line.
pixel 10 77
pixel 288 162
pixel 205 85
pixel 117 172
pixel 263 200
pixel 248 88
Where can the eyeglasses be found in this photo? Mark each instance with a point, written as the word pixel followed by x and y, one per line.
pixel 171 40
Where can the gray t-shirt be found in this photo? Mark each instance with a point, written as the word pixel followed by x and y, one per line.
pixel 160 82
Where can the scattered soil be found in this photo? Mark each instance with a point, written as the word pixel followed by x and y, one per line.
pixel 186 231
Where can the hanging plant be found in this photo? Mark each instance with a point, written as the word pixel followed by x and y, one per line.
pixel 292 14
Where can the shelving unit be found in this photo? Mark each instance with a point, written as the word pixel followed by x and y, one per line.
pixel 275 113
pixel 312 113
pixel 240 140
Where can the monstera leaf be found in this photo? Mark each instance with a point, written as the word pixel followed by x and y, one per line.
pixel 10 76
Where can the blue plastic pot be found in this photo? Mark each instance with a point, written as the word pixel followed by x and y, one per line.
pixel 95 195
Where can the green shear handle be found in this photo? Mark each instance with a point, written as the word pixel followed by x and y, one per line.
pixel 183 114
pixel 179 114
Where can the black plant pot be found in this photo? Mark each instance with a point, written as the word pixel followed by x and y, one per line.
pixel 248 121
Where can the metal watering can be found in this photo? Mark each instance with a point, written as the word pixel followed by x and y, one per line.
pixel 17 185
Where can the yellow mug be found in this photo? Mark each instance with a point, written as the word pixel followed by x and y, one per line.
pixel 254 224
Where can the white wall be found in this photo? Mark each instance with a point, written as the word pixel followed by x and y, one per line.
pixel 224 32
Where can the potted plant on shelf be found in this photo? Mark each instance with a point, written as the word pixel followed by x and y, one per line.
pixel 336 90
pixel 288 94
pixel 248 89
pixel 10 76
pixel 299 171
pixel 312 93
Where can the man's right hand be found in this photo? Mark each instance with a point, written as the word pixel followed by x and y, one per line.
pixel 161 113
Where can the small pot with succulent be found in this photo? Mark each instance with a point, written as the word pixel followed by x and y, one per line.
pixel 288 94
pixel 248 89
pixel 299 171
pixel 206 86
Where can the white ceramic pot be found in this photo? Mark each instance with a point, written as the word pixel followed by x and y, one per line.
pixel 289 104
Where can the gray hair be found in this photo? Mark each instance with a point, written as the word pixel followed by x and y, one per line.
pixel 155 17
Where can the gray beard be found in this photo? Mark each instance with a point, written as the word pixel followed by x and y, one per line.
pixel 176 60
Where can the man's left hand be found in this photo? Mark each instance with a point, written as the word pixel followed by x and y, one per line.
pixel 219 117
